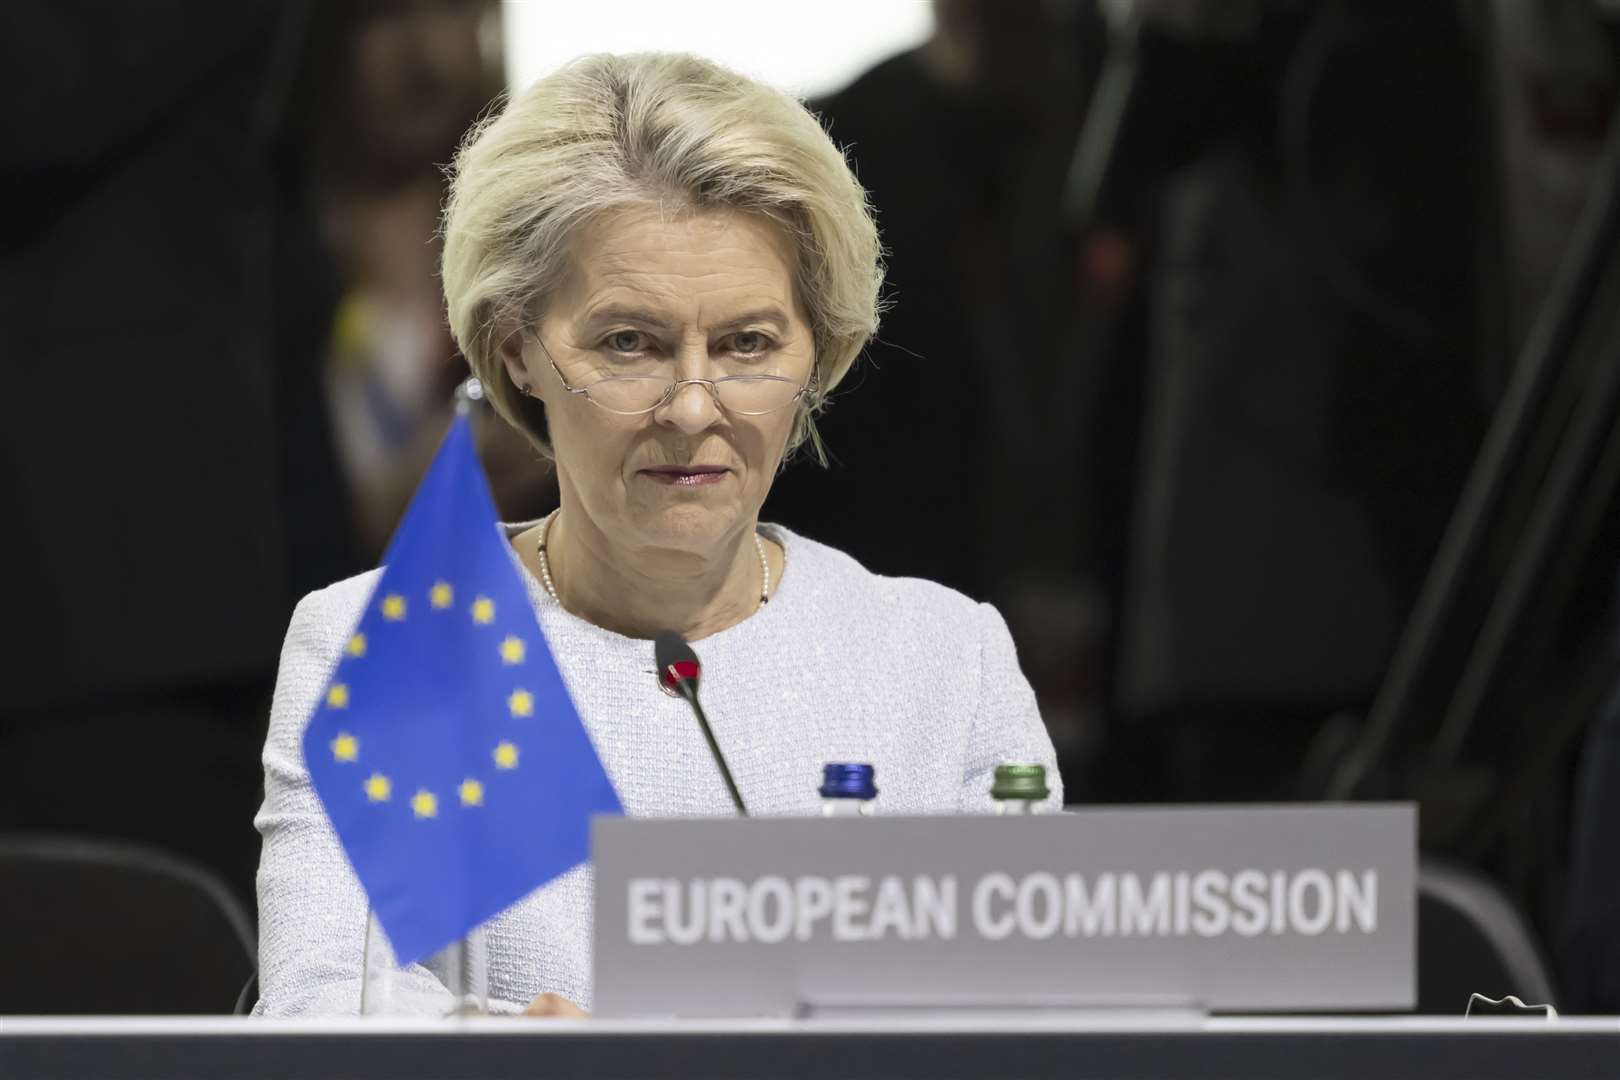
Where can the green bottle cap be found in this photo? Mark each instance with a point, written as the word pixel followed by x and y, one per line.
pixel 1019 782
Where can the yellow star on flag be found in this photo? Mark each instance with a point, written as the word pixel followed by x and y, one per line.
pixel 345 747
pixel 521 703
pixel 441 594
pixel 378 788
pixel 356 645
pixel 425 804
pixel 393 607
pixel 506 756
pixel 512 650
pixel 483 611
pixel 337 697
pixel 472 792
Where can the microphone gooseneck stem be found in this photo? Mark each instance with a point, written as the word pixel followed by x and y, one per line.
pixel 714 748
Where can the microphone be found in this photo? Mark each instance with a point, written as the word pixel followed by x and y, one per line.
pixel 678 669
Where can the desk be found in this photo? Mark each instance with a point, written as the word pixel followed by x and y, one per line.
pixel 224 1048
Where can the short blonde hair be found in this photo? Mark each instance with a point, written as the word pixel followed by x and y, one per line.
pixel 607 132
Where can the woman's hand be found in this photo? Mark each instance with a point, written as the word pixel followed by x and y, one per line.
pixel 556 1006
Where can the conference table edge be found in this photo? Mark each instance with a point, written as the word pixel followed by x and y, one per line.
pixel 1265 1048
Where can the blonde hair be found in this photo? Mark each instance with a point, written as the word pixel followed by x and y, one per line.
pixel 606 132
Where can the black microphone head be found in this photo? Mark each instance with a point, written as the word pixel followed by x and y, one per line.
pixel 669 647
pixel 678 672
pixel 678 666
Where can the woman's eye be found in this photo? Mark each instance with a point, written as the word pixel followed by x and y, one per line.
pixel 749 342
pixel 626 341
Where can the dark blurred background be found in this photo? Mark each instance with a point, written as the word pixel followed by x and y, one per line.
pixel 1255 358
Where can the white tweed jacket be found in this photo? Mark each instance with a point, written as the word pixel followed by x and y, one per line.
pixel 841 665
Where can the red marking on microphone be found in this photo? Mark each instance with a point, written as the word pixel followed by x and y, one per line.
pixel 678 672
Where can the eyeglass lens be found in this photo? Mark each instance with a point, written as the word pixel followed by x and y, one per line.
pixel 743 394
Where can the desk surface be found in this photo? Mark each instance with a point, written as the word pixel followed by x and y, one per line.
pixel 1014 1046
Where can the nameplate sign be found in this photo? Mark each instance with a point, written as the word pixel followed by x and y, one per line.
pixel 1275 908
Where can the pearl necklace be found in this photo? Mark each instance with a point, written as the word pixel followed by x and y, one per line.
pixel 551 590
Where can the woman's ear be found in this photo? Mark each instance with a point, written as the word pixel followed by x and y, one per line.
pixel 511 353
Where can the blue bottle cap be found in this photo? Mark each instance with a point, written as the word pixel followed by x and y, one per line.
pixel 847 781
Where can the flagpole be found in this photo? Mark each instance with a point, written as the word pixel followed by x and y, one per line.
pixel 466 963
pixel 376 971
pixel 468 969
pixel 471 958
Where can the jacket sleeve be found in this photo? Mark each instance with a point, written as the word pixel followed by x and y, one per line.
pixel 1007 727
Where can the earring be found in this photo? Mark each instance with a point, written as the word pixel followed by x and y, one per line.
pixel 525 391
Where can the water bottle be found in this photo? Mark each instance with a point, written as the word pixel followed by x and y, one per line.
pixel 847 790
pixel 1017 789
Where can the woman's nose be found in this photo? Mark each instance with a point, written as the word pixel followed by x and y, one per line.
pixel 691 408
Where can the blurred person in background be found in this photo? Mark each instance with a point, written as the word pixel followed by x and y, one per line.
pixel 1313 391
pixel 392 85
pixel 1555 69
pixel 165 464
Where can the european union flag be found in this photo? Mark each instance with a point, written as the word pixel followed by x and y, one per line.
pixel 446 749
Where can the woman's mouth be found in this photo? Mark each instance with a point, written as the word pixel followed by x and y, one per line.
pixel 686 475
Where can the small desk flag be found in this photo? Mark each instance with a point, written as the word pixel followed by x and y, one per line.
pixel 446 749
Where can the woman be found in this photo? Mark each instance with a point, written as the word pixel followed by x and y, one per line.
pixel 659 269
